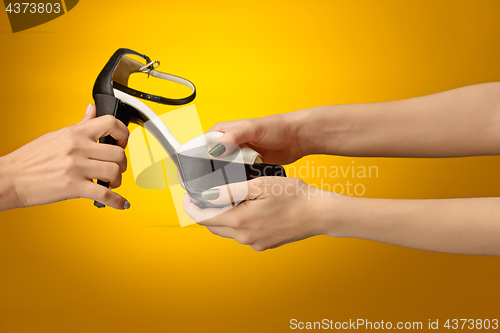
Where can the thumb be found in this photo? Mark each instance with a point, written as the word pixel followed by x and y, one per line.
pixel 245 132
pixel 235 192
pixel 90 113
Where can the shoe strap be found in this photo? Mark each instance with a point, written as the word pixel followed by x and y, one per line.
pixel 160 99
pixel 118 69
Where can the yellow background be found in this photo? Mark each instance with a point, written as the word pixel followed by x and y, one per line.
pixel 69 267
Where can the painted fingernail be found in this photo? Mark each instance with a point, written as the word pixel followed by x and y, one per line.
pixel 219 149
pixel 127 205
pixel 88 109
pixel 211 194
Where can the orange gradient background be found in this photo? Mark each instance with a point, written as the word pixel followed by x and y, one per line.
pixel 69 267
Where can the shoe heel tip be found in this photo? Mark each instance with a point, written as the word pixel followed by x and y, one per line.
pixel 99 205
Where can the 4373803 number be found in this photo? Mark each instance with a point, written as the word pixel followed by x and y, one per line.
pixel 471 324
pixel 33 8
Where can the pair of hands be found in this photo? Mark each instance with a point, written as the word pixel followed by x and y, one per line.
pixel 273 210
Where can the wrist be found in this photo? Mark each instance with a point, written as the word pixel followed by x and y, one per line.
pixel 321 130
pixel 9 198
pixel 335 212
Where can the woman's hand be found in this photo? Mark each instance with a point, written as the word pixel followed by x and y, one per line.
pixel 276 211
pixel 275 137
pixel 62 165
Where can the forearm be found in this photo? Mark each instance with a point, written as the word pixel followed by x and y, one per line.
pixel 465 226
pixel 459 122
pixel 9 198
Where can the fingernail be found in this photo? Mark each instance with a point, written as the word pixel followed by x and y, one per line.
pixel 211 194
pixel 127 205
pixel 88 109
pixel 219 149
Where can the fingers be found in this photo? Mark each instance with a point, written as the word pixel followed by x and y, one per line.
pixel 224 126
pixel 108 125
pixel 104 195
pixel 243 132
pixel 106 171
pixel 90 113
pixel 203 216
pixel 108 153
pixel 235 192
pixel 226 232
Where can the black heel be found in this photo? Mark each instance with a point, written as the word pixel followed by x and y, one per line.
pixel 108 105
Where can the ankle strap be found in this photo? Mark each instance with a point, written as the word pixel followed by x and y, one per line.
pixel 160 99
pixel 118 69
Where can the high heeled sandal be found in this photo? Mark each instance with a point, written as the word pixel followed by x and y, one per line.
pixel 198 170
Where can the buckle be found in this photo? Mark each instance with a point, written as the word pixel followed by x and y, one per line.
pixel 149 67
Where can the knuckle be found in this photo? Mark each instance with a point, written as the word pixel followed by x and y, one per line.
pixel 109 120
pixel 257 182
pixel 122 155
pixel 103 195
pixel 71 164
pixel 117 181
pixel 216 128
pixel 212 230
pixel 297 182
pixel 71 145
pixel 119 153
pixel 249 123
pixel 237 223
pixel 69 131
pixel 67 183
pixel 251 126
pixel 233 134
pixel 119 126
pixel 235 191
pixel 255 186
pixel 125 130
pixel 115 174
pixel 240 129
pixel 114 170
pixel 258 247
pixel 244 239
